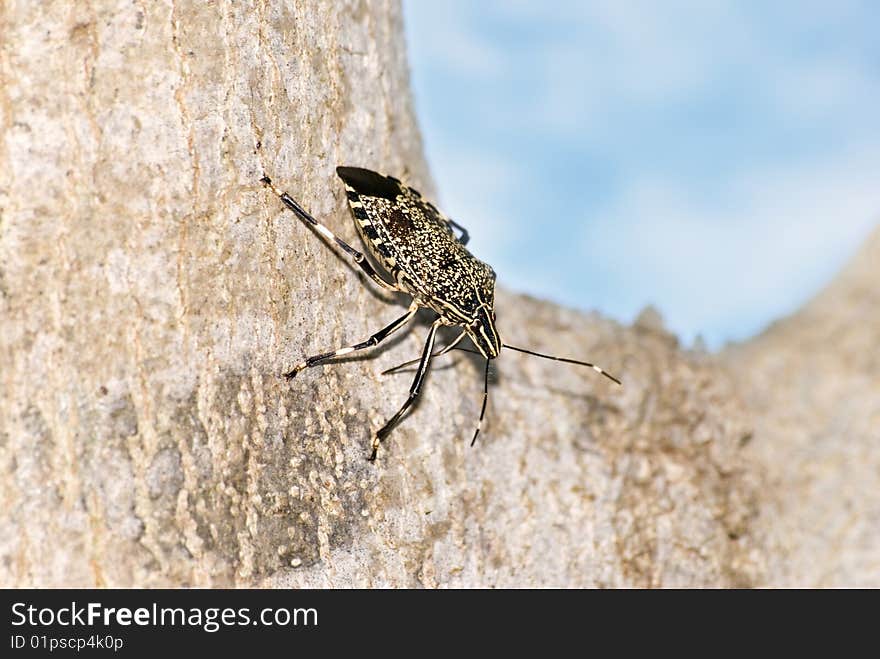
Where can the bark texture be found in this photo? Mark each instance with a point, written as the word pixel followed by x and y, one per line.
pixel 812 382
pixel 152 292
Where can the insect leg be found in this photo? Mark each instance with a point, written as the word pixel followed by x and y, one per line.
pixel 465 236
pixel 356 256
pixel 363 345
pixel 485 399
pixel 454 343
pixel 414 390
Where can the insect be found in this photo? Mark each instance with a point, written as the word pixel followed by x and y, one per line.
pixel 421 255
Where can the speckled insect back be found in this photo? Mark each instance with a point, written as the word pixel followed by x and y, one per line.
pixel 417 246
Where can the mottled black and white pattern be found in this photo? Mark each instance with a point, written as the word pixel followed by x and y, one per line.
pixel 417 246
pixel 415 243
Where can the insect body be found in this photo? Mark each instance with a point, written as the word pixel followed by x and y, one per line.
pixel 417 246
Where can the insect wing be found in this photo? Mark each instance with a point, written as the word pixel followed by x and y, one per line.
pixel 365 190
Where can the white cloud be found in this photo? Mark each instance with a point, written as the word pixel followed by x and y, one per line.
pixel 447 39
pixel 711 267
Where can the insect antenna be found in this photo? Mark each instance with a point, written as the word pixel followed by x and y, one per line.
pixel 485 400
pixel 567 361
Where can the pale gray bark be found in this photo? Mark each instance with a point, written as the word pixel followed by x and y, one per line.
pixel 152 292
pixel 812 382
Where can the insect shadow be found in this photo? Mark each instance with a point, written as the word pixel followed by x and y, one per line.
pixel 462 354
pixel 396 298
pixel 422 320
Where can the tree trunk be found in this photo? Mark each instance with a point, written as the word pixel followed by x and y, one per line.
pixel 152 292
pixel 812 382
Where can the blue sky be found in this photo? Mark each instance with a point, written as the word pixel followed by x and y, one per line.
pixel 718 160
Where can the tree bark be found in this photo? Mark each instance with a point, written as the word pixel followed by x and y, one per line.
pixel 812 382
pixel 152 292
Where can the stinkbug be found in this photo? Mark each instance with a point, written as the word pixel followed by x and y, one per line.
pixel 417 247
